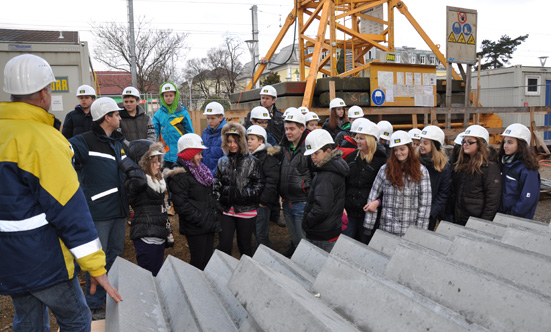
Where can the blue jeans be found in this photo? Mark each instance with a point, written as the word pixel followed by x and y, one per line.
pixel 325 245
pixel 65 300
pixel 293 212
pixel 262 230
pixel 354 229
pixel 111 235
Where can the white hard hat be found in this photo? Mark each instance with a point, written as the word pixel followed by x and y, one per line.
pixel 357 123
pixel 26 74
pixel 459 139
pixel 268 90
pixel 214 108
pixel 260 113
pixel 311 116
pixel 168 87
pixel 414 133
pixel 303 109
pixel 316 140
pixel 386 129
pixel 86 90
pixel 478 131
pixel 368 128
pixel 295 116
pixel 433 133
pixel 190 141
pixel 102 106
pixel 518 130
pixel 337 102
pixel 355 112
pixel 398 138
pixel 289 109
pixel 258 131
pixel 131 91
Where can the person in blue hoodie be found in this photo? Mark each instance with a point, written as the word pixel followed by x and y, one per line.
pixel 171 121
pixel 520 179
pixel 212 135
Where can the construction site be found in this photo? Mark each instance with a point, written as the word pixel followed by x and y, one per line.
pixel 487 276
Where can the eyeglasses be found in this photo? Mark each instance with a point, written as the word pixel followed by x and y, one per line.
pixel 260 122
pixel 468 142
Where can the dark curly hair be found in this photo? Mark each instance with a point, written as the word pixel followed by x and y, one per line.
pixel 525 153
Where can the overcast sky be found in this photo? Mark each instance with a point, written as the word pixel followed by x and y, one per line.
pixel 207 21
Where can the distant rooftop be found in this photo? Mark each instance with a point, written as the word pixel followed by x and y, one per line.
pixel 38 36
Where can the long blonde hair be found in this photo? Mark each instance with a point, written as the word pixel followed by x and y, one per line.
pixel 473 164
pixel 439 158
pixel 371 144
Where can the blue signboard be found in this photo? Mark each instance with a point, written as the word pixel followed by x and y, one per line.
pixel 378 97
pixel 61 84
pixel 467 29
pixel 456 27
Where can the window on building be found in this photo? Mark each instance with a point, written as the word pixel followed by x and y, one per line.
pixel 532 85
pixel 397 57
pixel 432 60
pixel 423 59
pixel 369 55
pixel 412 59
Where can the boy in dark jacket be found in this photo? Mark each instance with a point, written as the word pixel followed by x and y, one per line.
pixel 323 213
pixel 256 141
pixel 212 135
pixel 79 120
pixel 135 123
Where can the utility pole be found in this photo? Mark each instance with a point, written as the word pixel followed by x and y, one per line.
pixel 132 44
pixel 254 10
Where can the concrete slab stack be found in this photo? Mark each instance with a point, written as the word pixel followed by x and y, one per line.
pixel 360 254
pixel 309 257
pixel 283 265
pixel 486 226
pixel 508 220
pixel 451 230
pixel 528 239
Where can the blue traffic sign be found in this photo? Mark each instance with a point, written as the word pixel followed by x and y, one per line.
pixel 456 28
pixel 378 97
pixel 467 29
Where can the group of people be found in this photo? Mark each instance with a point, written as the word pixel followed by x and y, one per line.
pixel 350 177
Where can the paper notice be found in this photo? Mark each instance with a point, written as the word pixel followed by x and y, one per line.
pixel 432 79
pixel 419 89
pixel 57 103
pixel 426 79
pixel 424 100
pixel 428 89
pixel 418 79
pixel 386 79
pixel 390 95
pixel 399 78
pixel 409 79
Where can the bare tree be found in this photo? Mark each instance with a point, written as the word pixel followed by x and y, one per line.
pixel 157 51
pixel 232 66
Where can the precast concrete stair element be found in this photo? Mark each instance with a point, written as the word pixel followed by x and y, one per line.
pixel 508 220
pixel 486 226
pixel 451 230
pixel 309 257
pixel 528 239
pixel 360 254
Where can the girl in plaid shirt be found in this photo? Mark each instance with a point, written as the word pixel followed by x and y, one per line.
pixel 403 189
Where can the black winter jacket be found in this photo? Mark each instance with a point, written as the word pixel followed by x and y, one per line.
pixel 336 131
pixel 76 122
pixel 136 127
pixel 441 183
pixel 270 169
pixel 476 195
pixel 194 202
pixel 238 180
pixel 360 180
pixel 275 125
pixel 296 171
pixel 324 208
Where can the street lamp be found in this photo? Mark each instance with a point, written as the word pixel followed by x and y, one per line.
pixel 251 44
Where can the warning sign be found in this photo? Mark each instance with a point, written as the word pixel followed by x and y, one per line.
pixel 461 39
pixel 462 17
pixel 451 38
pixel 471 40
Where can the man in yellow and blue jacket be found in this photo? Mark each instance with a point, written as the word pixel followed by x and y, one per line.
pixel 45 224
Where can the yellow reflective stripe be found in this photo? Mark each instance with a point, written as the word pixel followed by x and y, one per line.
pixel 69 260
pixel 102 155
pixel 86 249
pixel 105 193
pixel 174 122
pixel 93 263
pixel 23 225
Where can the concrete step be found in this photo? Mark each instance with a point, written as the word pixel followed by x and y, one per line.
pixel 375 303
pixel 218 272
pixel 451 230
pixel 486 226
pixel 190 302
pixel 310 257
pixel 520 266
pixel 360 254
pixel 139 296
pixel 506 219
pixel 384 242
pixel 428 239
pixel 279 303
pixel 485 299
pixel 283 265
pixel 527 239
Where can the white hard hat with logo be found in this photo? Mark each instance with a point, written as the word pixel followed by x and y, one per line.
pixel 398 138
pixel 357 123
pixel 459 139
pixel 295 116
pixel 316 140
pixel 168 87
pixel 478 131
pixel 214 108
pixel 303 109
pixel 519 131
pixel 386 129
pixel 414 133
pixel 190 141
pixel 289 109
pixel 86 90
pixel 268 90
pixel 131 91
pixel 337 102
pixel 260 113
pixel 311 116
pixel 355 112
pixel 102 106
pixel 434 133
pixel 368 128
pixel 258 131
pixel 26 74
